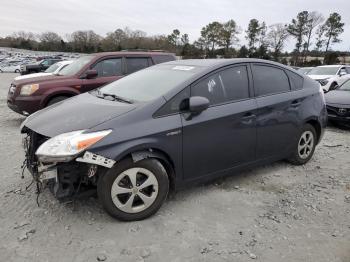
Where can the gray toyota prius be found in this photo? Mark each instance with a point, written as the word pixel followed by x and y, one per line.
pixel 172 125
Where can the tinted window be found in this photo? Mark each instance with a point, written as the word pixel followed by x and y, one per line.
pixel 109 67
pixel 269 80
pixel 174 105
pixel 134 64
pixel 235 83
pixel 163 58
pixel 347 69
pixel 227 85
pixel 296 81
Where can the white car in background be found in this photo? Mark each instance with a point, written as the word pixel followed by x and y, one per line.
pixel 10 67
pixel 52 70
pixel 330 76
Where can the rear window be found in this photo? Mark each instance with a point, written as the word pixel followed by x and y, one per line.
pixel 296 81
pixel 163 58
pixel 269 80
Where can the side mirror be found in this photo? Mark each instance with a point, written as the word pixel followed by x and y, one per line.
pixel 198 104
pixel 90 74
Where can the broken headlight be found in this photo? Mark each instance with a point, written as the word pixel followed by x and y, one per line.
pixel 66 146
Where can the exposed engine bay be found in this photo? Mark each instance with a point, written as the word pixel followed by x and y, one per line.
pixel 66 180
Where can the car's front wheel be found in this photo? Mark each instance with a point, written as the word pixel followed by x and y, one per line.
pixel 133 191
pixel 305 148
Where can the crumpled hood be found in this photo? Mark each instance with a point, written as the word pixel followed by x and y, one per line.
pixel 338 97
pixel 77 113
pixel 320 77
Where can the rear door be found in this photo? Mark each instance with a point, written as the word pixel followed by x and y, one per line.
pixel 278 110
pixel 224 135
pixel 108 70
pixel 134 64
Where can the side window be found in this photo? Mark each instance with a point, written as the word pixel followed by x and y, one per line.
pixel 296 81
pixel 269 80
pixel 227 85
pixel 342 71
pixel 235 83
pixel 45 63
pixel 175 104
pixel 134 64
pixel 109 67
pixel 347 69
pixel 211 88
pixel 163 58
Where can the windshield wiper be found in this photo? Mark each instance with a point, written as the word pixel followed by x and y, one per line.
pixel 114 97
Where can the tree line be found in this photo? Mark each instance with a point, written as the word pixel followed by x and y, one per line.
pixel 313 34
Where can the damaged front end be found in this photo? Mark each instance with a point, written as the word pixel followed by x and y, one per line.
pixel 67 177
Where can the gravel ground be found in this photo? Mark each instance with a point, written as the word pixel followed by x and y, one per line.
pixel 273 213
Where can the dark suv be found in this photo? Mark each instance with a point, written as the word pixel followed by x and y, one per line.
pixel 171 125
pixel 84 74
pixel 39 66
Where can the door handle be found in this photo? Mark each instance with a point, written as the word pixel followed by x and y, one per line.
pixel 296 103
pixel 248 116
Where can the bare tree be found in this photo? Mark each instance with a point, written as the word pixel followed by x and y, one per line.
pixel 276 37
pixel 314 19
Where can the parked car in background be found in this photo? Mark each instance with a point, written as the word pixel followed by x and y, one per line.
pixel 330 76
pixel 10 67
pixel 38 67
pixel 338 104
pixel 85 74
pixel 305 70
pixel 52 70
pixel 171 125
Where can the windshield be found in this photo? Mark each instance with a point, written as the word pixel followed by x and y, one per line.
pixel 76 66
pixel 324 70
pixel 52 68
pixel 345 86
pixel 304 70
pixel 150 83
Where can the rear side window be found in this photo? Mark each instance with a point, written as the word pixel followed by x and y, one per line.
pixel 296 81
pixel 163 58
pixel 227 85
pixel 134 64
pixel 269 80
pixel 109 67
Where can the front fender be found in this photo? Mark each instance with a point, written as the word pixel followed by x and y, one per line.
pixel 65 91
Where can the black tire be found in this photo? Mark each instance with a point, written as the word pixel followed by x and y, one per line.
pixel 16 71
pixel 105 183
pixel 56 100
pixel 1 71
pixel 298 158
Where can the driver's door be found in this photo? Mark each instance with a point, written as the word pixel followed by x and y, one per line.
pixel 224 135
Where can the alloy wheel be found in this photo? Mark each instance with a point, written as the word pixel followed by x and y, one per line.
pixel 306 144
pixel 134 190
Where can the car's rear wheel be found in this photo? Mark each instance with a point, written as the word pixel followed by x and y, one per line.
pixel 133 191
pixel 56 100
pixel 305 147
pixel 16 71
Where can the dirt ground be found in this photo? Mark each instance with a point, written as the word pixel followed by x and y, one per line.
pixel 273 213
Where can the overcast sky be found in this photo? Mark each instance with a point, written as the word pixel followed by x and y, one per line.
pixel 157 16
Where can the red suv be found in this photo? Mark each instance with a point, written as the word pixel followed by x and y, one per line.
pixel 86 73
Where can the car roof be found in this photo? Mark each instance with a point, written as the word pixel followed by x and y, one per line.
pixel 219 62
pixel 141 53
pixel 331 66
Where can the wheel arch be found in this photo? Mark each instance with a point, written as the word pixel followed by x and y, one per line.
pixel 65 92
pixel 138 154
pixel 317 125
